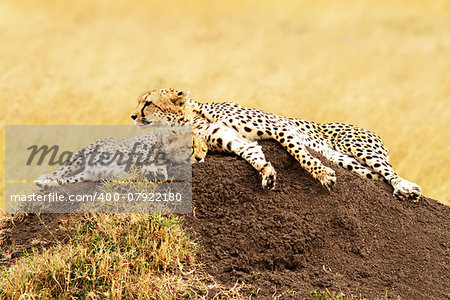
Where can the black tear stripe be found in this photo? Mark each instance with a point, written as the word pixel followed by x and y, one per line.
pixel 143 107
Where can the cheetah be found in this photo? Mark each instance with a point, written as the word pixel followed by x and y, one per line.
pixel 109 157
pixel 230 127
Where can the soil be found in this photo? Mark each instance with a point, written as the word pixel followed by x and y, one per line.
pixel 357 239
pixel 27 232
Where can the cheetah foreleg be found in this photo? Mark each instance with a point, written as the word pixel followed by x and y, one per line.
pixel 155 171
pixel 46 181
pixel 295 144
pixel 224 139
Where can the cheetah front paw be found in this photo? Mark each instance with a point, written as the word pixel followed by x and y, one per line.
pixel 269 177
pixel 154 172
pixel 406 190
pixel 327 178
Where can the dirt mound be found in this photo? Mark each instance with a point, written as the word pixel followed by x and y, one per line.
pixel 21 234
pixel 356 239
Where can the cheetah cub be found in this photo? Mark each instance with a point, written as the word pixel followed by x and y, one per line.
pixel 109 157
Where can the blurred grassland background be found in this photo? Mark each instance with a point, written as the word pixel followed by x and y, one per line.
pixel 381 65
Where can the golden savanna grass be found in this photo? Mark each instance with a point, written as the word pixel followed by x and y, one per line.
pixel 115 256
pixel 381 65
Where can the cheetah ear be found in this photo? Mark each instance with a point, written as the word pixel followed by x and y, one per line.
pixel 180 98
pixel 169 136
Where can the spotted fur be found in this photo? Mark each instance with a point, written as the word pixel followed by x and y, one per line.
pixel 148 148
pixel 230 127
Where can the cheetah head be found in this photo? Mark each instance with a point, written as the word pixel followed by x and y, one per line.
pixel 178 145
pixel 200 148
pixel 161 107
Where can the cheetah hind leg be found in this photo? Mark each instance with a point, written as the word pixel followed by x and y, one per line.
pixel 406 190
pixel 403 189
pixel 351 164
pixel 47 181
pixel 60 177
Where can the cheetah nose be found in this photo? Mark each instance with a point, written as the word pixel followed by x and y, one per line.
pixel 198 158
pixel 134 117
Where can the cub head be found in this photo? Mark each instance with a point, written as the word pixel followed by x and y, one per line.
pixel 160 107
pixel 177 143
pixel 200 149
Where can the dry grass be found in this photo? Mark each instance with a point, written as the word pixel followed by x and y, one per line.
pixel 115 256
pixel 383 65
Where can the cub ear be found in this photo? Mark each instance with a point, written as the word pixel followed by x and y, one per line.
pixel 170 136
pixel 180 98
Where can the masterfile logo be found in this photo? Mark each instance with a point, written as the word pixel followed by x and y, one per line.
pixel 98 169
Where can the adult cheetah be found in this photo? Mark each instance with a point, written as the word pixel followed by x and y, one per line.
pixel 230 127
